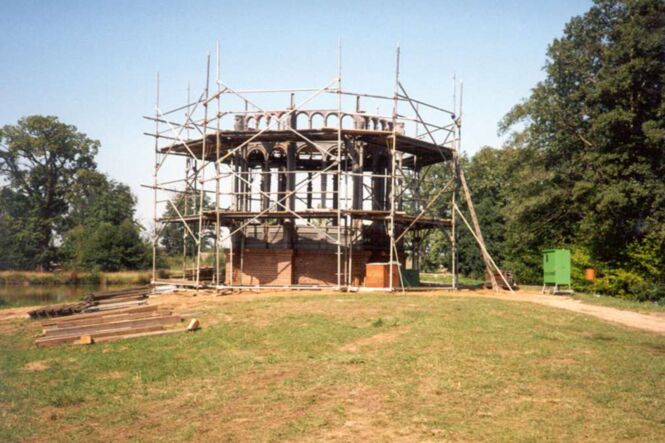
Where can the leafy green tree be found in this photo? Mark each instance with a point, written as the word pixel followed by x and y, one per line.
pixel 55 206
pixel 108 247
pixel 592 139
pixel 489 173
pixel 17 248
pixel 436 251
pixel 102 233
pixel 174 236
pixel 39 158
pixel 93 197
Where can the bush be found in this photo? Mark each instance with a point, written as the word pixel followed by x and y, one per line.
pixel 629 285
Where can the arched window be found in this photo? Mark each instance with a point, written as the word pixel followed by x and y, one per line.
pixel 316 120
pixel 302 120
pixel 331 120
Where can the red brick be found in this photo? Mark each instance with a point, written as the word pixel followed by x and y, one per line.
pixel 261 267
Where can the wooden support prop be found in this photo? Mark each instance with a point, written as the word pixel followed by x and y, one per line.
pixel 476 226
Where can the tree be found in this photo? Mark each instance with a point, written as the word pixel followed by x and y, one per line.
pixel 39 159
pixel 592 139
pixel 101 231
pixel 93 197
pixel 175 236
pixel 55 207
pixel 107 247
pixel 16 246
pixel 489 173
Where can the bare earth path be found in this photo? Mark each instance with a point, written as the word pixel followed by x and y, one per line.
pixel 654 322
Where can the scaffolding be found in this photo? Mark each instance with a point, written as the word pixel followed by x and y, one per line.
pixel 257 184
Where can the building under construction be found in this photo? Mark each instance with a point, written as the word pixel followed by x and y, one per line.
pixel 306 187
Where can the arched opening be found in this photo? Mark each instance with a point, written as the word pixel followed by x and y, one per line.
pixel 316 120
pixel 331 120
pixel 302 120
pixel 256 157
pixel 279 177
pixel 347 121
pixel 260 122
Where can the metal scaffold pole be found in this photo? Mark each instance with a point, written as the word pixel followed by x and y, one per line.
pixel 339 164
pixel 393 153
pixel 453 198
pixel 218 117
pixel 155 171
pixel 201 171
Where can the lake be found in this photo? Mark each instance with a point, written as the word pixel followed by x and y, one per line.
pixel 19 295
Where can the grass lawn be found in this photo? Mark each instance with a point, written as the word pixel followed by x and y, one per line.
pixel 361 367
pixel 614 302
pixel 447 279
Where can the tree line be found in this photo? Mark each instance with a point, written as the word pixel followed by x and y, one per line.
pixel 57 209
pixel 583 167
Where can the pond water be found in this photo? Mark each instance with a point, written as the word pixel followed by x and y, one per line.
pixel 18 295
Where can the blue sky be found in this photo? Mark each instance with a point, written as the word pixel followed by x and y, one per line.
pixel 93 64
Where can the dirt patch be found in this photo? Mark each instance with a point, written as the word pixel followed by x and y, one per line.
pixel 559 361
pixel 375 340
pixel 12 313
pixel 112 375
pixel 36 366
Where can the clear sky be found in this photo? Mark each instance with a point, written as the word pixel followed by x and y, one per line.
pixel 93 64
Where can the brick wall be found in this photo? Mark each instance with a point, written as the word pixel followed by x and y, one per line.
pixel 312 267
pixel 261 267
pixel 282 267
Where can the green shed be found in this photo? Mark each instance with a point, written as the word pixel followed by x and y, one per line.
pixel 556 267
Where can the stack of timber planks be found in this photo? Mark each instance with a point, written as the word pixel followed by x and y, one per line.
pixel 107 325
pixel 103 301
pixel 100 301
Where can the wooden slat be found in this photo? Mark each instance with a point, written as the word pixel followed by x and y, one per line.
pixel 119 299
pixel 138 334
pixel 105 319
pixel 128 310
pixel 116 305
pixel 107 294
pixel 71 339
pixel 91 329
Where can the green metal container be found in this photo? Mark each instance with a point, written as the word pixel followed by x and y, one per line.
pixel 556 267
